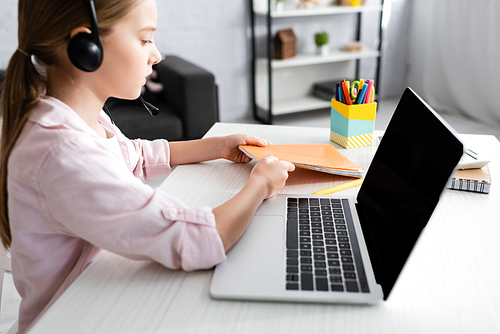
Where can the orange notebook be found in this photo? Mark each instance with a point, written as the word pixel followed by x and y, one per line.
pixel 320 157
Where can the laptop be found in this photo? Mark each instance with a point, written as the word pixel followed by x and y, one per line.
pixel 345 249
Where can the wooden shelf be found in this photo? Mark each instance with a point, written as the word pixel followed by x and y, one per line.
pixel 312 59
pixel 327 10
pixel 298 104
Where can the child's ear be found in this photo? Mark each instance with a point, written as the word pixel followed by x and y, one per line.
pixel 78 30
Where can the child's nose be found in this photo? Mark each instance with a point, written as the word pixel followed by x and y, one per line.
pixel 155 56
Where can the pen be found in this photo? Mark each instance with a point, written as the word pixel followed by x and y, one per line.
pixel 339 187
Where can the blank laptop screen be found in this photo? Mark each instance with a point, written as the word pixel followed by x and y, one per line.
pixel 415 158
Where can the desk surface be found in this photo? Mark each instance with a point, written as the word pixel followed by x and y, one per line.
pixel 449 285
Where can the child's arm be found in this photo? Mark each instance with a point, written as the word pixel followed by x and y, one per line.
pixel 185 152
pixel 233 216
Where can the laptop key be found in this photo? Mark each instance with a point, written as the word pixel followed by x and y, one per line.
pixel 292 236
pixel 292 269
pixel 306 280
pixel 314 202
pixel 350 275
pixel 336 279
pixel 351 286
pixel 320 264
pixel 335 271
pixel 308 268
pixel 292 286
pixel 305 239
pixel 292 278
pixel 332 255
pixel 320 272
pixel 337 287
pixel 321 284
pixel 348 267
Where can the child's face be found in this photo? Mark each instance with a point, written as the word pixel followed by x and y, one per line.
pixel 129 53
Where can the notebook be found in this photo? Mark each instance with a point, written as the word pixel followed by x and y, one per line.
pixel 320 157
pixel 474 180
pixel 345 249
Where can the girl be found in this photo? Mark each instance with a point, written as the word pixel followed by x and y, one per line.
pixel 71 183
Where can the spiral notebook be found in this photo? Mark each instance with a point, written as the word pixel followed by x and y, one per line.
pixel 475 180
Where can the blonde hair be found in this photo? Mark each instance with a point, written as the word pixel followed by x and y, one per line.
pixel 44 25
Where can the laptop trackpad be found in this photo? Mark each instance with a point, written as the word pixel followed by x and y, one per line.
pixel 255 265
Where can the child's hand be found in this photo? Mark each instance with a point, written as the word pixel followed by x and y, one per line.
pixel 229 147
pixel 272 172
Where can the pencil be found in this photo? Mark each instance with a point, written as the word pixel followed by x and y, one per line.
pixel 339 187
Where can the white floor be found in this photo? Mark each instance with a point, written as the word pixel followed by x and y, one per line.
pixel 319 118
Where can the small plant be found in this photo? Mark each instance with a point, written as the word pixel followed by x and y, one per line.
pixel 321 38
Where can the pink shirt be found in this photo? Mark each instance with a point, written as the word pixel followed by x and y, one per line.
pixel 72 193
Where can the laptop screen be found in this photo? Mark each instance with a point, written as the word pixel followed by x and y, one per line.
pixel 402 186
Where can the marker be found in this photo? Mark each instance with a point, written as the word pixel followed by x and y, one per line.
pixel 362 93
pixel 339 187
pixel 345 92
pixel 368 92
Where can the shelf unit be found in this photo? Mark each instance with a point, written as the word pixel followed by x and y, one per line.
pixel 284 86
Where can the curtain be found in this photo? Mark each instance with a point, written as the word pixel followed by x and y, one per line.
pixel 461 69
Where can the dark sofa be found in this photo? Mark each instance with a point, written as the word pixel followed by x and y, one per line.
pixel 188 104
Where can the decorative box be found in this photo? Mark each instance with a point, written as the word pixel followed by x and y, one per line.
pixel 352 126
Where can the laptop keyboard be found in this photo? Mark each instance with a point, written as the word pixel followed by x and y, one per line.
pixel 322 248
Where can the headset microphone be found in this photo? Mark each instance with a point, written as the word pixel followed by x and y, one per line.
pixel 153 111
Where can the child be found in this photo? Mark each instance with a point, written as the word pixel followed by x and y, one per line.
pixel 71 183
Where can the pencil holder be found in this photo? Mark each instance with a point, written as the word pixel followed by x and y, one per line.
pixel 352 126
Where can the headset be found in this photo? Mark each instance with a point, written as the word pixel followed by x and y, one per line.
pixel 85 52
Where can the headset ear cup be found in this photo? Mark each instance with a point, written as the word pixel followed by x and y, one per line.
pixel 85 52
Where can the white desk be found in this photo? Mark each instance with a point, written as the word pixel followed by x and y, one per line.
pixel 449 285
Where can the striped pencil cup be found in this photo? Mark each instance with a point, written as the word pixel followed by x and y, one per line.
pixel 352 126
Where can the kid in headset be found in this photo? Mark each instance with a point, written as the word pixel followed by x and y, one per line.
pixel 71 182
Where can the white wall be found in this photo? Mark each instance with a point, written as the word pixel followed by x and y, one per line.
pixel 215 35
pixel 8 31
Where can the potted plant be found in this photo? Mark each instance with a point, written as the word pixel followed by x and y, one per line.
pixel 278 5
pixel 321 39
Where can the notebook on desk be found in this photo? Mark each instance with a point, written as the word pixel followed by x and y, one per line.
pixel 342 249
